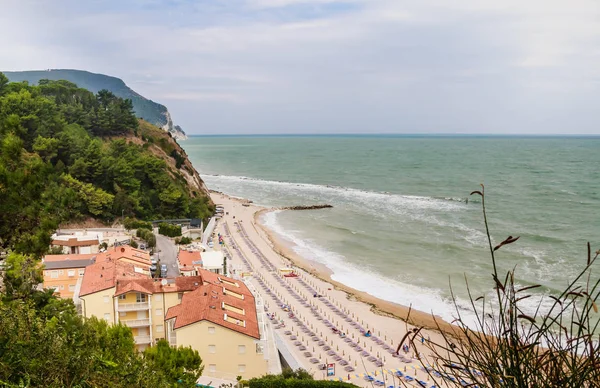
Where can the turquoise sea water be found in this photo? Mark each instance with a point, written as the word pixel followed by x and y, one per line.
pixel 401 228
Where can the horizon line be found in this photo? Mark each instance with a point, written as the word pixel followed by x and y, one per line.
pixel 402 134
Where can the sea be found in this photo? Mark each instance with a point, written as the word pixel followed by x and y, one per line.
pixel 404 227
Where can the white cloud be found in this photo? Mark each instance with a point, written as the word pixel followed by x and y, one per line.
pixel 322 66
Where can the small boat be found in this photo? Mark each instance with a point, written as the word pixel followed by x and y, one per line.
pixel 291 275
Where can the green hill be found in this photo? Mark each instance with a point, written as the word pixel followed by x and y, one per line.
pixel 67 154
pixel 149 110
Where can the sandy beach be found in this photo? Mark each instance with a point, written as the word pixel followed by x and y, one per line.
pixel 256 249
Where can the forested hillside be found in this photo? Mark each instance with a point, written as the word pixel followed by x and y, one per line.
pixel 68 154
pixel 149 110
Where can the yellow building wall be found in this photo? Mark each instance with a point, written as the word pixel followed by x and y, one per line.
pixel 161 302
pixel 226 358
pixel 100 304
pixel 63 281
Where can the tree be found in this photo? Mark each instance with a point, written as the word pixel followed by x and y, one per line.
pixel 181 365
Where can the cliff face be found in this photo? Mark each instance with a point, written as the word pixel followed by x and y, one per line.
pixel 163 145
pixel 149 110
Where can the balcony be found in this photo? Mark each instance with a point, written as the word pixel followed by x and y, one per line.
pixel 136 322
pixel 133 306
pixel 172 339
pixel 142 339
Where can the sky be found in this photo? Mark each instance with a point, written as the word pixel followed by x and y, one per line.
pixel 330 66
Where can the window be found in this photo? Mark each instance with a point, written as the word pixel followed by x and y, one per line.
pixel 259 349
pixel 62 287
pixel 179 295
pixel 61 272
pixel 54 274
pixel 241 349
pixel 212 368
pixel 71 287
pixel 81 272
pixel 122 297
pixel 159 312
pixel 159 328
pixel 241 367
pixel 212 349
pixel 122 314
pixel 71 273
pixel 140 298
pixel 106 299
pixel 211 330
pixel 158 297
pixel 107 317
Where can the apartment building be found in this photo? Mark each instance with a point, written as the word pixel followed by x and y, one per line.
pixel 62 272
pixel 219 320
pixel 213 314
pixel 76 244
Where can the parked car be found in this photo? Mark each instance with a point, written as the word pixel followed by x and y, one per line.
pixel 154 260
pixel 163 270
pixel 143 247
pixel 153 268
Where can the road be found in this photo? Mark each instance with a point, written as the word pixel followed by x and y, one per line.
pixel 167 254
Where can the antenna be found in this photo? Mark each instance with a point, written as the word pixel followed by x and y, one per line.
pixel 163 282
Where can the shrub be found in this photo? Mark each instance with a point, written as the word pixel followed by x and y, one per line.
pixel 184 241
pixel 132 223
pixel 147 236
pixel 169 230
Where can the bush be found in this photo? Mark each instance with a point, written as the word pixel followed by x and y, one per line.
pixel 132 223
pixel 169 230
pixel 299 378
pixel 147 236
pixel 133 244
pixel 183 241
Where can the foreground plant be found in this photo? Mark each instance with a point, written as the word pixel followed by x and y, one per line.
pixel 509 347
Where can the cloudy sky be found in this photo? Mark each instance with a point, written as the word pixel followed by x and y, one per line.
pixel 330 66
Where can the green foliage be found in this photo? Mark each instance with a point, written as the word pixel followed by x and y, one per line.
pixel 182 364
pixel 294 379
pixel 132 223
pixel 169 230
pixel 60 161
pixel 45 343
pixel 148 110
pixel 147 236
pixel 183 241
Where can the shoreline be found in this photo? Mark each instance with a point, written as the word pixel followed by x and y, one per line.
pixel 378 306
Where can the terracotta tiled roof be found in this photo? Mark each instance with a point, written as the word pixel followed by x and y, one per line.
pixel 84 256
pixel 205 303
pixel 103 275
pixel 127 252
pixel 153 286
pixel 188 259
pixel 75 242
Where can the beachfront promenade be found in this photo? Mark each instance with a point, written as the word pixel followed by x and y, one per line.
pixel 307 333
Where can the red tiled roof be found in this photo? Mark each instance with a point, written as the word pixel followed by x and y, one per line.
pixel 153 286
pixel 187 259
pixel 127 252
pixel 102 275
pixel 83 256
pixel 74 242
pixel 205 303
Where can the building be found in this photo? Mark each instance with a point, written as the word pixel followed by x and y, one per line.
pixel 62 272
pixel 189 262
pixel 77 244
pixel 213 261
pixel 219 319
pixel 215 315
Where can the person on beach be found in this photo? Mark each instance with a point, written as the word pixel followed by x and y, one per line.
pixel 368 333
